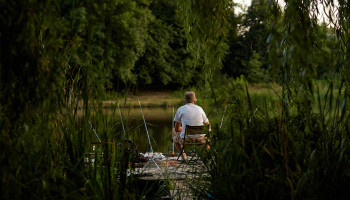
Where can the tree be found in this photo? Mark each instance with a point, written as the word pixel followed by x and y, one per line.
pixel 33 55
pixel 256 24
pixel 205 25
pixel 166 62
pixel 247 41
pixel 326 52
pixel 238 51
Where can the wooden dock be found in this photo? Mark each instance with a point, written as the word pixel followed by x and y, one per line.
pixel 166 174
pixel 176 173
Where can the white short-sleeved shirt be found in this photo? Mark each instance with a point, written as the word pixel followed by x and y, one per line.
pixel 190 114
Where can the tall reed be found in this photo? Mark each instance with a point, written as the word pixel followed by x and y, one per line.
pixel 264 156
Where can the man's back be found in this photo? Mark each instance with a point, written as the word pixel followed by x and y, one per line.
pixel 190 114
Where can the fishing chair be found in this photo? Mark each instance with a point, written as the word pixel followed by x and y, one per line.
pixel 191 139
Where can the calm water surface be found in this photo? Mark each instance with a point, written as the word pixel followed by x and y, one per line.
pixel 159 125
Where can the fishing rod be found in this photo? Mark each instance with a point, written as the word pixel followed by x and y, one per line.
pixel 149 141
pixel 222 119
pixel 121 119
pixel 172 128
pixel 250 119
pixel 91 126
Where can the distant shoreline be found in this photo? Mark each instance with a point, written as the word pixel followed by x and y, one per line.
pixel 164 104
pixel 149 99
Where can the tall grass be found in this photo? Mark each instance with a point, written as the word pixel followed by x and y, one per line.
pixel 264 156
pixel 49 160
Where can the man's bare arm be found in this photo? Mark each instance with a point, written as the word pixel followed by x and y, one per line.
pixel 209 125
pixel 178 127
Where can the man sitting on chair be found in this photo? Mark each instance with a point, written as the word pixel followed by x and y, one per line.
pixel 192 115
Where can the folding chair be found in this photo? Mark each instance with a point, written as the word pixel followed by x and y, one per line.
pixel 191 139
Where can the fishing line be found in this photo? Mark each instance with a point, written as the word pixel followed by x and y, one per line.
pixel 121 119
pixel 172 128
pixel 250 119
pixel 222 119
pixel 91 125
pixel 149 141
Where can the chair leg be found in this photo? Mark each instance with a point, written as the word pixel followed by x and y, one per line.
pixel 178 147
pixel 181 153
pixel 182 150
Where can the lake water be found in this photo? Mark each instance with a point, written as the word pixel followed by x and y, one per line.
pixel 159 125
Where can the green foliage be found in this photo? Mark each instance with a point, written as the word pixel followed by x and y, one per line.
pixel 28 74
pixel 166 60
pixel 255 21
pixel 56 55
pixel 256 155
pixel 237 52
pixel 114 34
pixel 53 59
pixel 247 42
pixel 327 55
pixel 256 73
pixel 205 24
pixel 298 152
